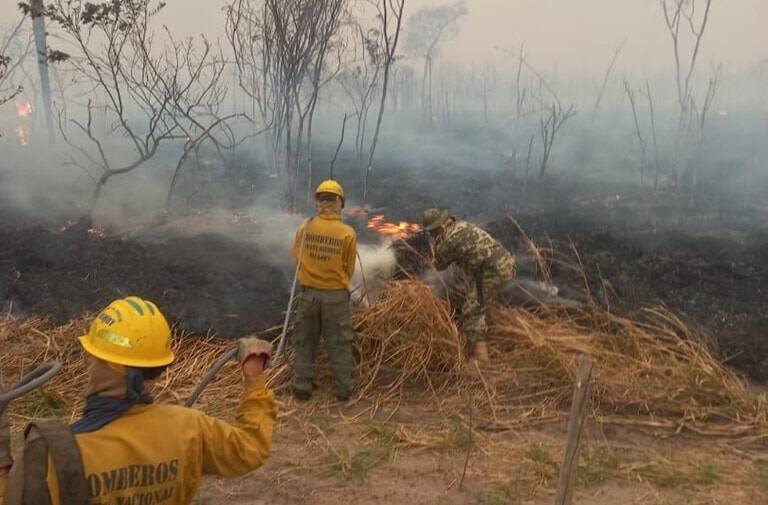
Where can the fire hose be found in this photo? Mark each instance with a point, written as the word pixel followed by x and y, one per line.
pixel 281 338
pixel 29 382
pixel 230 355
pixel 215 369
pixel 46 371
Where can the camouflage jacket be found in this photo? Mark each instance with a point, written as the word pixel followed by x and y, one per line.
pixel 474 251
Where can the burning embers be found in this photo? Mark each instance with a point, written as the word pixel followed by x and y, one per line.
pixel 23 109
pixel 22 136
pixel 92 231
pixel 384 228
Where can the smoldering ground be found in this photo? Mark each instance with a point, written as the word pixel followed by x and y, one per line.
pixel 651 222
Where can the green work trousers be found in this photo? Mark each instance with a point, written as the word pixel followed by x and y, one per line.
pixel 473 295
pixel 324 313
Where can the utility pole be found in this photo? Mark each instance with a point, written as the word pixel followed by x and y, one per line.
pixel 41 48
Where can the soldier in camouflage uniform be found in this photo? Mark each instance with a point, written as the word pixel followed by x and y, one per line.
pixel 486 267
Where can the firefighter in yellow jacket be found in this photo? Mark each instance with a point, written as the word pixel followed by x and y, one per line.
pixel 136 452
pixel 325 249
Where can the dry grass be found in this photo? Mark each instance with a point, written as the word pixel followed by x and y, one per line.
pixel 407 335
pixel 650 369
pixel 25 343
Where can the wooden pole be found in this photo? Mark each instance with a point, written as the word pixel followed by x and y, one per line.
pixel 576 419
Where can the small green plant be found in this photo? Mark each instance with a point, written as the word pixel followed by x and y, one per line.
pixel 542 465
pixel 663 474
pixel 511 492
pixel 351 464
pixel 47 405
pixel 705 473
pixel 598 465
pixel 385 437
pixel 459 436
pixel 675 476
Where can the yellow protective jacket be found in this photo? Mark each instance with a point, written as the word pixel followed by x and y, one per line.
pixel 157 454
pixel 328 256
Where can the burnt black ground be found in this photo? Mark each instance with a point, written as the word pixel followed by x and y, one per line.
pixel 708 261
pixel 202 283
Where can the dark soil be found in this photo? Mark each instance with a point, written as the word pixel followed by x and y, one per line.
pixel 716 281
pixel 708 262
pixel 203 283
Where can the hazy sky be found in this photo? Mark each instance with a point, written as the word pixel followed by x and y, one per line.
pixel 576 35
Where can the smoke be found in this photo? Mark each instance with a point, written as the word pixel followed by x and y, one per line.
pixel 270 232
pixel 378 263
pixel 471 155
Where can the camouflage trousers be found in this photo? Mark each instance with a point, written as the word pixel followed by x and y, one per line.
pixel 324 313
pixel 472 295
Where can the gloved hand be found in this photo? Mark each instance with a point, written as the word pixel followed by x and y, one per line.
pixel 252 347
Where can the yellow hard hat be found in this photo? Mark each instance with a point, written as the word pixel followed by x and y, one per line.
pixel 332 187
pixel 130 332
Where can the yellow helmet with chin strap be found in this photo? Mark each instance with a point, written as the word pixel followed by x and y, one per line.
pixel 332 187
pixel 130 332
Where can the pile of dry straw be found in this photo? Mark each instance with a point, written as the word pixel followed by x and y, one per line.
pixel 649 369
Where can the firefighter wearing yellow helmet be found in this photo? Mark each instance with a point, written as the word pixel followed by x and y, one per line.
pixel 134 451
pixel 325 249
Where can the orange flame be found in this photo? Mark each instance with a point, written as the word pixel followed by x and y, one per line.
pixel 23 109
pixel 22 136
pixel 396 231
pixel 96 232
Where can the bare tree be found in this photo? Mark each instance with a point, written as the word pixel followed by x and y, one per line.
pixel 428 28
pixel 155 90
pixel 675 13
pixel 6 95
pixel 280 48
pixel 520 91
pixel 606 79
pixel 642 142
pixel 549 127
pixel 686 25
pixel 535 93
pixel 360 80
pixel 249 30
pixel 651 110
pixel 391 17
pixel 528 163
pixel 11 60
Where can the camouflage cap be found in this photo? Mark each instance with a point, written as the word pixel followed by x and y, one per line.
pixel 434 218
